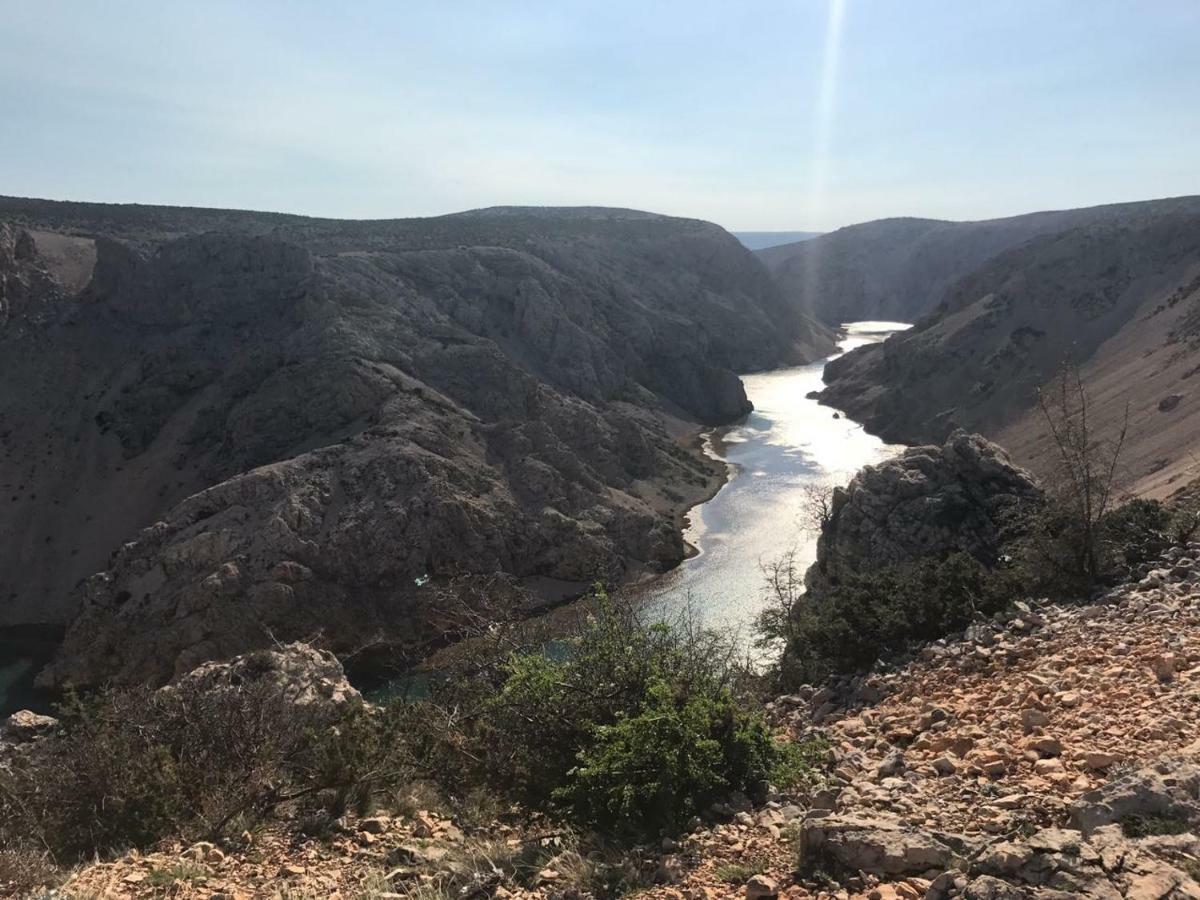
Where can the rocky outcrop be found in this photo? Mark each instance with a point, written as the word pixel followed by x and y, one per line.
pixel 925 503
pixel 253 425
pixel 300 676
pixel 25 726
pixel 881 845
pixel 1039 754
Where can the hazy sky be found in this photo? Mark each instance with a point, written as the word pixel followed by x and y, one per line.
pixel 806 114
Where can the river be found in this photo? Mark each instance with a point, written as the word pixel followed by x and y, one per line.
pixel 786 444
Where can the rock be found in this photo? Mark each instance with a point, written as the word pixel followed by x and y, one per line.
pixel 1163 666
pixel 985 887
pixel 893 765
pixel 199 851
pixel 1044 746
pixel 879 845
pixel 1032 719
pixel 944 765
pixel 1096 760
pixel 760 887
pixel 302 676
pixel 1169 789
pixel 25 725
pixel 375 824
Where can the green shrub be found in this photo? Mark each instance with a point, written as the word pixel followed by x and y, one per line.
pixel 847 626
pixel 667 760
pixel 1052 555
pixel 627 727
pixel 801 763
pixel 736 873
pixel 1147 826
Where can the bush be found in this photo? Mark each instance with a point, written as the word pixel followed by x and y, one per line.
pixel 1052 554
pixel 863 617
pixel 622 726
pixel 129 767
pixel 656 767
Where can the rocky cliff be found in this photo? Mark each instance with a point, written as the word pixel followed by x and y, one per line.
pixel 1121 299
pixel 253 425
pixel 899 269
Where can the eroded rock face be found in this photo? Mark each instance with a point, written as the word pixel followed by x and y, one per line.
pixel 923 504
pixel 878 844
pixel 1168 791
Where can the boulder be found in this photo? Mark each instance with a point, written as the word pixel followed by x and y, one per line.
pixel 25 725
pixel 878 845
pixel 302 675
pixel 1168 790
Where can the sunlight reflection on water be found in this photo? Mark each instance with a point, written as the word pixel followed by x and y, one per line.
pixel 787 442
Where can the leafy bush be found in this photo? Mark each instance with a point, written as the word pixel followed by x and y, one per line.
pixel 626 727
pixel 849 625
pixel 659 765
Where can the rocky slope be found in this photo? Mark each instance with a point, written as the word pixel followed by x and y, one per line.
pixel 253 424
pixel 899 269
pixel 1121 299
pixel 1049 752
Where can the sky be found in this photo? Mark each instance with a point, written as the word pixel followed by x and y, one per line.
pixel 806 115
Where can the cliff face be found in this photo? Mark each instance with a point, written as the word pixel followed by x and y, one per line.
pixel 900 269
pixel 1120 299
pixel 254 425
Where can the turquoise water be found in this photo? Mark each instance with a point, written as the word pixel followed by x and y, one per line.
pixel 22 653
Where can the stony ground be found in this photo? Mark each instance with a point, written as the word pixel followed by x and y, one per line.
pixel 983 742
pixel 1011 762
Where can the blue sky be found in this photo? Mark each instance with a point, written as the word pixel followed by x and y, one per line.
pixel 807 114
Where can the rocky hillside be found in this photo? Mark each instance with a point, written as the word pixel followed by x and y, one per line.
pixel 1049 752
pixel 899 269
pixel 254 425
pixel 1121 298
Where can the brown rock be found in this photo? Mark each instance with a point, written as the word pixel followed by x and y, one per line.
pixel 760 887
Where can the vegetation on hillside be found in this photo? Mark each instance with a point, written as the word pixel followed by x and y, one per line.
pixel 623 728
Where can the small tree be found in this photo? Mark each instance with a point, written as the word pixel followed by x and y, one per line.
pixel 1086 485
pixel 816 506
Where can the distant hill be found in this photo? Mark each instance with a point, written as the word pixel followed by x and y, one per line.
pixel 1120 295
pixel 897 269
pixel 760 240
